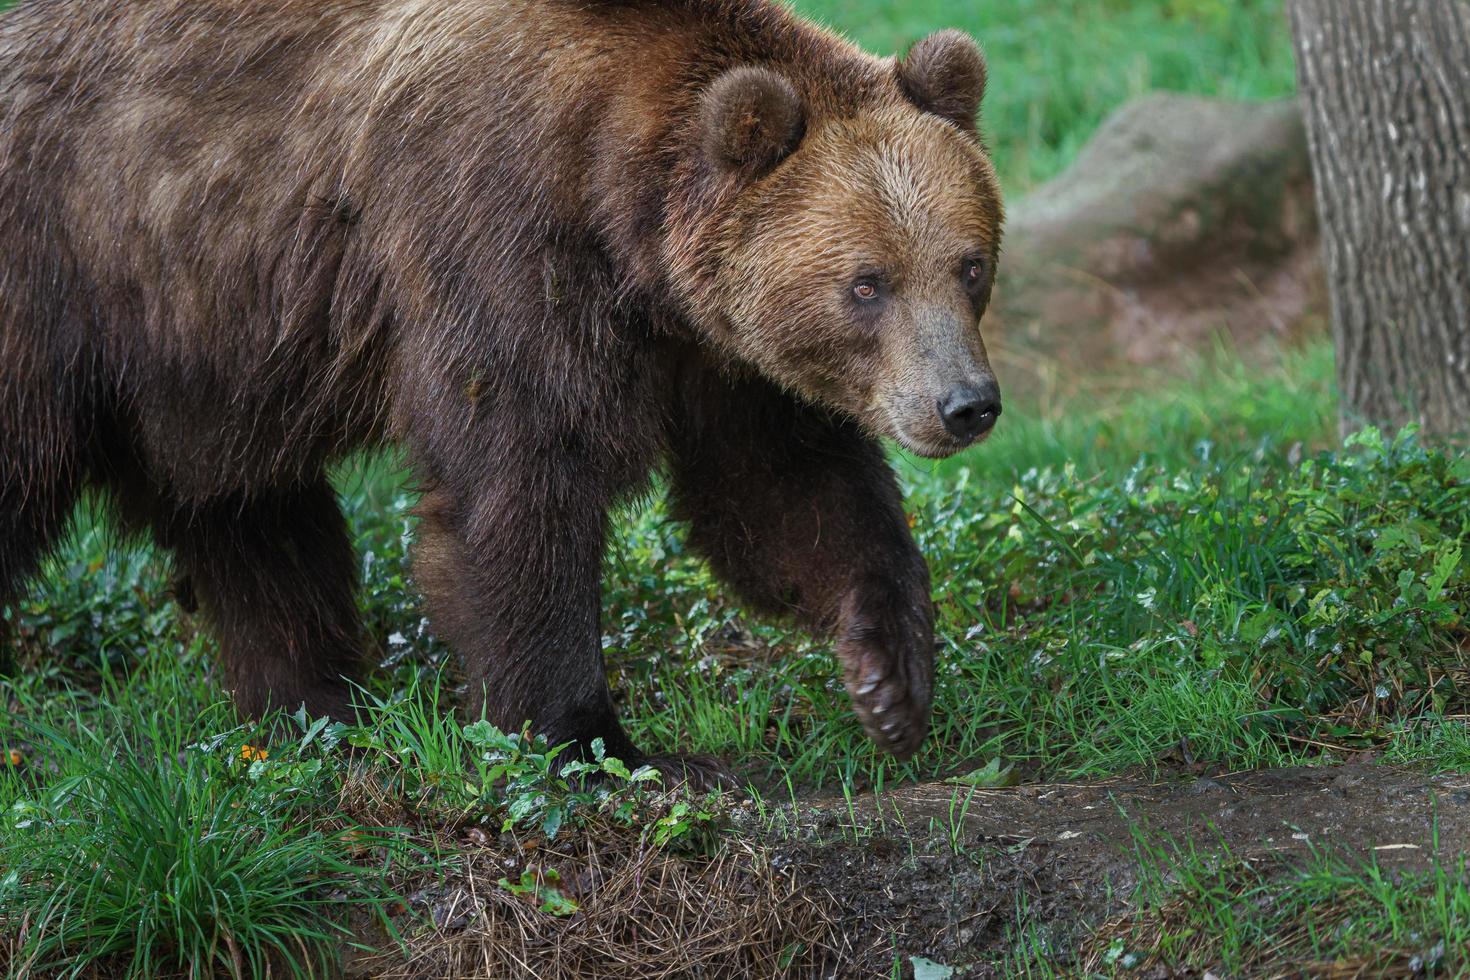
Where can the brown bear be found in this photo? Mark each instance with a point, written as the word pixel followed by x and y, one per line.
pixel 545 247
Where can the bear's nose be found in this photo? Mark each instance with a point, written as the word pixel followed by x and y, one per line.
pixel 969 411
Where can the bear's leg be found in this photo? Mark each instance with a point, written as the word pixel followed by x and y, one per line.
pixel 513 582
pixel 276 579
pixel 520 609
pixel 800 512
pixel 36 497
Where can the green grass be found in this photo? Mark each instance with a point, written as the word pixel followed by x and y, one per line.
pixel 144 833
pixel 1058 67
pixel 128 846
pixel 1199 909
pixel 1432 742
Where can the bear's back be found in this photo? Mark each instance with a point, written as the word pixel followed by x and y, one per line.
pixel 273 209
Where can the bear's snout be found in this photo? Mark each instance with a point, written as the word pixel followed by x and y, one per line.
pixel 969 410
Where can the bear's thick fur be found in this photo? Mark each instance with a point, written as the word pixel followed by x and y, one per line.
pixel 543 246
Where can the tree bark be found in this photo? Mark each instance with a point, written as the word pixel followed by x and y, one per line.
pixel 1386 88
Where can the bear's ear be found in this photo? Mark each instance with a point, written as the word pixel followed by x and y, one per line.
pixel 945 74
pixel 751 119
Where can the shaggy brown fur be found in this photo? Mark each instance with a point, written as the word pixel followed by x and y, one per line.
pixel 540 245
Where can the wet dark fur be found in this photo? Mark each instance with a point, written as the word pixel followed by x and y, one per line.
pixel 242 239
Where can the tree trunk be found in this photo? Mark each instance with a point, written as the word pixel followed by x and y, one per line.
pixel 1386 88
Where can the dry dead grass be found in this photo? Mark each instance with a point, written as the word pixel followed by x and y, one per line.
pixel 641 912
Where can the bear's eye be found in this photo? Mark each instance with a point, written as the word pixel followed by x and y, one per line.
pixel 972 271
pixel 866 290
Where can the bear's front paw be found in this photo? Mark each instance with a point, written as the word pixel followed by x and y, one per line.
pixel 889 676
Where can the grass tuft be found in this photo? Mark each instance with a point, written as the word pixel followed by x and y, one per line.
pixel 154 859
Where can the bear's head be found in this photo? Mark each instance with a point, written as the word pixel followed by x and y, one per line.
pixel 853 247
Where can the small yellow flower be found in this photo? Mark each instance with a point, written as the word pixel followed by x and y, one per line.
pixel 13 757
pixel 249 753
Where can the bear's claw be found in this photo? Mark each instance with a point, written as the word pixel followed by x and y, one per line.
pixel 895 716
pixel 891 716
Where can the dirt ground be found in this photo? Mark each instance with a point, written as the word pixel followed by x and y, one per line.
pixel 1064 852
pixel 834 890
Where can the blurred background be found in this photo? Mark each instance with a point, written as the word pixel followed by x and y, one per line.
pixel 1059 67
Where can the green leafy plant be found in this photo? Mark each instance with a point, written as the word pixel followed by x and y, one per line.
pixel 455 773
pixel 543 889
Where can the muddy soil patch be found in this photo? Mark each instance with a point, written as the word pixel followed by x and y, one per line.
pixel 924 874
